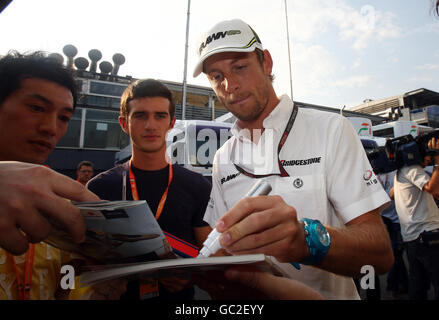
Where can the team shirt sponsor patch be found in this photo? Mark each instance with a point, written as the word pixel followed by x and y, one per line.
pixel 305 162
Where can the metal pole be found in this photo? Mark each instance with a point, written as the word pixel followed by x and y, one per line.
pixel 183 103
pixel 212 106
pixel 289 55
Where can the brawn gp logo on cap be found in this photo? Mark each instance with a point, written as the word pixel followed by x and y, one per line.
pixel 216 36
pixel 226 36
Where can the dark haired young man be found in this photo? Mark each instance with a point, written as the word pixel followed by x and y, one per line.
pixel 37 99
pixel 177 196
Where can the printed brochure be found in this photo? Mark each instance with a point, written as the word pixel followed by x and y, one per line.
pixel 172 267
pixel 116 230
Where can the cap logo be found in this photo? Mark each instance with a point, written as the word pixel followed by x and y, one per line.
pixel 216 36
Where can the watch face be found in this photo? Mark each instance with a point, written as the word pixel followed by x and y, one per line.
pixel 323 236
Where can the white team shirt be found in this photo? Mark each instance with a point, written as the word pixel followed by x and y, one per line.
pixel 417 210
pixel 330 178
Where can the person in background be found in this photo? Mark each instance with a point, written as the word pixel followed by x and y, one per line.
pixel 414 192
pixel 397 278
pixel 178 197
pixel 84 171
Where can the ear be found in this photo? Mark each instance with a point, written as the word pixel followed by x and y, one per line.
pixel 124 125
pixel 171 125
pixel 268 62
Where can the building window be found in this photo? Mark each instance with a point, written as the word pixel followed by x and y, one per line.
pixel 109 89
pixel 433 116
pixel 102 131
pixel 71 138
pixel 99 101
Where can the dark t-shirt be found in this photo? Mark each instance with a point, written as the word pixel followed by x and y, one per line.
pixel 184 209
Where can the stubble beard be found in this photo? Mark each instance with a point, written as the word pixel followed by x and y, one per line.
pixel 252 115
pixel 254 112
pixel 261 102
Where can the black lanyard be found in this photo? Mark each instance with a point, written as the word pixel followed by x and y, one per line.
pixel 283 172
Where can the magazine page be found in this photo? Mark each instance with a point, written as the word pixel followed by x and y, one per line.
pixel 116 230
pixel 166 268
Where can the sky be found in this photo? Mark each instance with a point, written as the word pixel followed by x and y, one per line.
pixel 341 51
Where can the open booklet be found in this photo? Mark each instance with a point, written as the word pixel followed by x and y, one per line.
pixel 116 230
pixel 121 231
pixel 171 267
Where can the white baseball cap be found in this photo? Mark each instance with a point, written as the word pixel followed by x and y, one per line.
pixel 227 36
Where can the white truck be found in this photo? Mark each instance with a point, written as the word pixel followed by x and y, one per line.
pixel 396 129
pixel 191 143
pixel 363 127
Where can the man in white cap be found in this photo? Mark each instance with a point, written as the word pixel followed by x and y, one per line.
pixel 324 210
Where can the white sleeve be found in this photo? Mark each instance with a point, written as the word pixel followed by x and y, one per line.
pixel 216 206
pixel 353 188
pixel 417 176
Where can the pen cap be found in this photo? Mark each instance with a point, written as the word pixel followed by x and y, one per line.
pixel 261 188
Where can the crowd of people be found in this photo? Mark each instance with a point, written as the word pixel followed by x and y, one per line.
pixel 321 223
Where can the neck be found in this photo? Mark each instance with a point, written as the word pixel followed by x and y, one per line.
pixel 149 161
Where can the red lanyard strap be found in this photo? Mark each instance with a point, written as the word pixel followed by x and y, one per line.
pixel 180 246
pixel 283 172
pixel 136 194
pixel 25 286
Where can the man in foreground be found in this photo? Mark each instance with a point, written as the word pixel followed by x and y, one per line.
pixel 37 100
pixel 324 211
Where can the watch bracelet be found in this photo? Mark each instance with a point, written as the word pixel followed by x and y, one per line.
pixel 314 257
